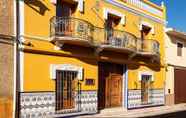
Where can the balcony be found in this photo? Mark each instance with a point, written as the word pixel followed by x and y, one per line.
pixel 148 47
pixel 115 40
pixel 71 31
pixel 74 31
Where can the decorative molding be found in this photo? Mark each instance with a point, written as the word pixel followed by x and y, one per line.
pixel 117 4
pixel 65 67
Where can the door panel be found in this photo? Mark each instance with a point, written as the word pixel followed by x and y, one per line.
pixel 113 91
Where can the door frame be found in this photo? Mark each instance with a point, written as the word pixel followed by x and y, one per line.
pixel 124 95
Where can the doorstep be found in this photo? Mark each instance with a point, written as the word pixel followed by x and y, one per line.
pixel 75 114
pixel 143 112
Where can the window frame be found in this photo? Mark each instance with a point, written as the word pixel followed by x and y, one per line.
pixel 182 49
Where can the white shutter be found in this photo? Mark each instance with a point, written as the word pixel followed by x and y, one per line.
pixel 81 5
pixel 53 1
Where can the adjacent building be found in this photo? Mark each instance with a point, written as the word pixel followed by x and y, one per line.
pixel 6 58
pixel 83 56
pixel 176 66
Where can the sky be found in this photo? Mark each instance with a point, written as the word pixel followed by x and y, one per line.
pixel 176 13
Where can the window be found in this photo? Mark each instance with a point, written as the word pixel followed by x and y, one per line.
pixel 179 49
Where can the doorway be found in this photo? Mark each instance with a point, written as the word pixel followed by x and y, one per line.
pixel 110 24
pixel 110 85
pixel 144 35
pixel 64 13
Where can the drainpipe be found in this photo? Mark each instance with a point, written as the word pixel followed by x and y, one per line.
pixel 17 104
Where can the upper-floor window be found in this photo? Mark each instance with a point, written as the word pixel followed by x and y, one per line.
pixel 179 49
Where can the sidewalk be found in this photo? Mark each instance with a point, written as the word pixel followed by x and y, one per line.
pixel 144 112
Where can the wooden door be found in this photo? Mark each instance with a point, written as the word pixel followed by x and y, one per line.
pixel 179 85
pixel 114 91
pixel 145 85
pixel 109 73
pixel 65 89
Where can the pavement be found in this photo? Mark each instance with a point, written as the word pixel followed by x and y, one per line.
pixel 174 111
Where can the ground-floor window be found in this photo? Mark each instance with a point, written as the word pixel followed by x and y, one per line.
pixel 65 89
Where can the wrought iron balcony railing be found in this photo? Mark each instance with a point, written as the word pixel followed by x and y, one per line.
pixel 148 46
pixel 114 39
pixel 73 29
pixel 70 27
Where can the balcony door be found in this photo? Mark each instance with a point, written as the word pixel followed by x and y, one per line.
pixel 144 35
pixel 64 12
pixel 111 22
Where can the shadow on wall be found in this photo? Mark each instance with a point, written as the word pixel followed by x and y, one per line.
pixel 37 5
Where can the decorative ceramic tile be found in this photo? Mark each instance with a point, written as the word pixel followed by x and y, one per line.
pixel 37 104
pixel 156 97
pixel 42 104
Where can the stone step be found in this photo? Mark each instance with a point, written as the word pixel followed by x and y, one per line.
pixel 75 114
pixel 111 110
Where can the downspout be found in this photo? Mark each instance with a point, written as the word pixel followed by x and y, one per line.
pixel 17 60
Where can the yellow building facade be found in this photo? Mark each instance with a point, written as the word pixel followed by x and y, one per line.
pixel 83 56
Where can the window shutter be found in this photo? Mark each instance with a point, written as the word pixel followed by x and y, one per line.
pixel 53 1
pixel 81 5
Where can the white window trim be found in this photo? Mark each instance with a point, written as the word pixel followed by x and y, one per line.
pixel 147 24
pixel 107 11
pixel 145 73
pixel 66 67
pixel 181 42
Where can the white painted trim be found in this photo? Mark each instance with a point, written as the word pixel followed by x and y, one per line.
pixel 147 24
pixel 146 73
pixel 21 7
pixel 15 60
pixel 126 86
pixel 66 67
pixel 107 11
pixel 123 87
